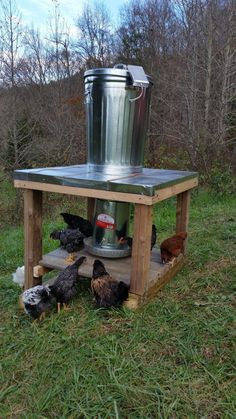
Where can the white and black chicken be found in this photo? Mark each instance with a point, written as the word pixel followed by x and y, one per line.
pixel 37 301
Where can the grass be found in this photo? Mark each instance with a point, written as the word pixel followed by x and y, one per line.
pixel 172 358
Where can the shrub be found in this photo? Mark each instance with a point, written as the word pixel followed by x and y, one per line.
pixel 222 181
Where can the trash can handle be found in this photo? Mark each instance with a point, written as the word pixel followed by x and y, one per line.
pixel 88 97
pixel 139 96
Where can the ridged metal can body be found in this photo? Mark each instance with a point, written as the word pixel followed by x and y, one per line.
pixel 117 120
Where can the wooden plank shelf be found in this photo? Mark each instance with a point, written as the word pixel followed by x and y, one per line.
pixel 120 269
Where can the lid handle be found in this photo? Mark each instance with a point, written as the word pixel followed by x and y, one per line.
pixel 138 76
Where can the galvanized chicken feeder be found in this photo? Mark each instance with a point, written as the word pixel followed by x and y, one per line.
pixel 117 109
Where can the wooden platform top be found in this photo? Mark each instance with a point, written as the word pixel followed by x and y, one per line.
pixel 147 183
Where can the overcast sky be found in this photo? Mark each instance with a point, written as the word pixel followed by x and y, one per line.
pixel 37 12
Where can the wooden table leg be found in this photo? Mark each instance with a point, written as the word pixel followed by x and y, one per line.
pixel 182 212
pixel 33 235
pixel 141 248
pixel 90 209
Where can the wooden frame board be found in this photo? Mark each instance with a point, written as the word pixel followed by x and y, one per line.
pixel 160 194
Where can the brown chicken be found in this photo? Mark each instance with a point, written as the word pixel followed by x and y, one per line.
pixel 172 247
pixel 107 291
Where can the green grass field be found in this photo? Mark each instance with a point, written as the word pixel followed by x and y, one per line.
pixel 172 358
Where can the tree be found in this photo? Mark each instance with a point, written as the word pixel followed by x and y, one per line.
pixel 34 64
pixel 96 39
pixel 11 36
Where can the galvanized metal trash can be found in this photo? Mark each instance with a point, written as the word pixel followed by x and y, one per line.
pixel 117 102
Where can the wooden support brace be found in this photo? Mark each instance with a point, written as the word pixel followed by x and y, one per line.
pixel 133 301
pixel 141 248
pixel 33 235
pixel 154 288
pixel 39 271
pixel 165 193
pixel 182 212
pixel 90 209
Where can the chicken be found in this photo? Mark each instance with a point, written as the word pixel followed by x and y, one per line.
pixel 64 287
pixel 19 276
pixel 153 236
pixel 37 301
pixel 75 221
pixel 129 240
pixel 172 247
pixel 71 240
pixel 107 291
pixel 122 232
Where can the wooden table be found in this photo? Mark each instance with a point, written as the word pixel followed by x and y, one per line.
pixel 143 270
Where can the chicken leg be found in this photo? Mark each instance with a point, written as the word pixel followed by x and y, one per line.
pixel 42 316
pixel 171 262
pixel 65 307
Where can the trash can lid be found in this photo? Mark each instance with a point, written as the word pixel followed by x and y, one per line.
pixel 134 74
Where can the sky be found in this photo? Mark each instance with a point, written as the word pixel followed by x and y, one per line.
pixel 37 12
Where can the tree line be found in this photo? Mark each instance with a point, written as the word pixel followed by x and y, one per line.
pixel 188 47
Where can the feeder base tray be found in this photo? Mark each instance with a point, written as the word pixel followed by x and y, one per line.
pixel 106 252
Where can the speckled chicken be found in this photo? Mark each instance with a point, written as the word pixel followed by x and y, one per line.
pixel 64 287
pixel 107 291
pixel 129 240
pixel 75 221
pixel 71 240
pixel 37 301
pixel 172 247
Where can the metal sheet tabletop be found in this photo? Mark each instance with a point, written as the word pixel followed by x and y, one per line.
pixel 80 176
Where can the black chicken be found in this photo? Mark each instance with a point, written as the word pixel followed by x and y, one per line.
pixel 37 301
pixel 107 291
pixel 122 232
pixel 129 240
pixel 75 221
pixel 71 240
pixel 64 287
